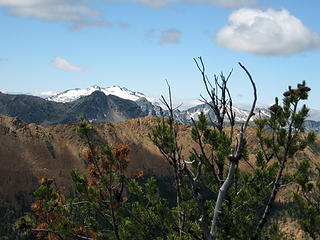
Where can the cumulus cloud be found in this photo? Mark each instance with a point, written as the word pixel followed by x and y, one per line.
pixel 267 32
pixel 75 12
pixel 63 64
pixel 219 3
pixel 171 36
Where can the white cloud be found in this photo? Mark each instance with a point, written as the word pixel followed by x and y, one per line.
pixel 74 12
pixel 171 36
pixel 63 64
pixel 267 32
pixel 219 3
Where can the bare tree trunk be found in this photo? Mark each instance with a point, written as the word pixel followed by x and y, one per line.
pixel 234 159
pixel 221 196
pixel 179 199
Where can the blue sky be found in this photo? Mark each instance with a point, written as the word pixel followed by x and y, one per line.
pixel 54 45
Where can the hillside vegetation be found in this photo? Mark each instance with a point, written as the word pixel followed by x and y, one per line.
pixel 153 178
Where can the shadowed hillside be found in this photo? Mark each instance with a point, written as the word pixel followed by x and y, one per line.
pixel 96 107
pixel 28 151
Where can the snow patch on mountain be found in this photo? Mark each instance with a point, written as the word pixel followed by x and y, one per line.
pixel 74 94
pixel 152 106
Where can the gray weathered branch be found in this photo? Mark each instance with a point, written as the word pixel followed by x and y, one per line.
pixel 234 159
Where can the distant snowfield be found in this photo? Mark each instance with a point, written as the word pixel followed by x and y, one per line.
pixel 152 106
pixel 188 108
pixel 74 94
pixel 122 92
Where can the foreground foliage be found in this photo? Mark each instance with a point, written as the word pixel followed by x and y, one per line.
pixel 107 204
pixel 307 198
pixel 214 198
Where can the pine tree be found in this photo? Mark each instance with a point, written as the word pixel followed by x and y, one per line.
pixel 214 197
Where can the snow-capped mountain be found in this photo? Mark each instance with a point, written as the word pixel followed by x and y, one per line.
pixel 74 94
pixel 150 106
pixel 193 113
pixel 311 125
pixel 112 104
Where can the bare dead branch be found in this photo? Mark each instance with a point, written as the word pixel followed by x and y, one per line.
pixel 255 96
pixel 234 159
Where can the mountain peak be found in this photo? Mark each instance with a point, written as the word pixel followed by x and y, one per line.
pixel 74 94
pixel 94 87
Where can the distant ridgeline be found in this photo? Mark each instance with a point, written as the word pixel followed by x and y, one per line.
pixel 114 104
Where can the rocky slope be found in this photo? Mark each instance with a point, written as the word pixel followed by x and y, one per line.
pixel 311 125
pixel 150 106
pixel 113 104
pixel 96 107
